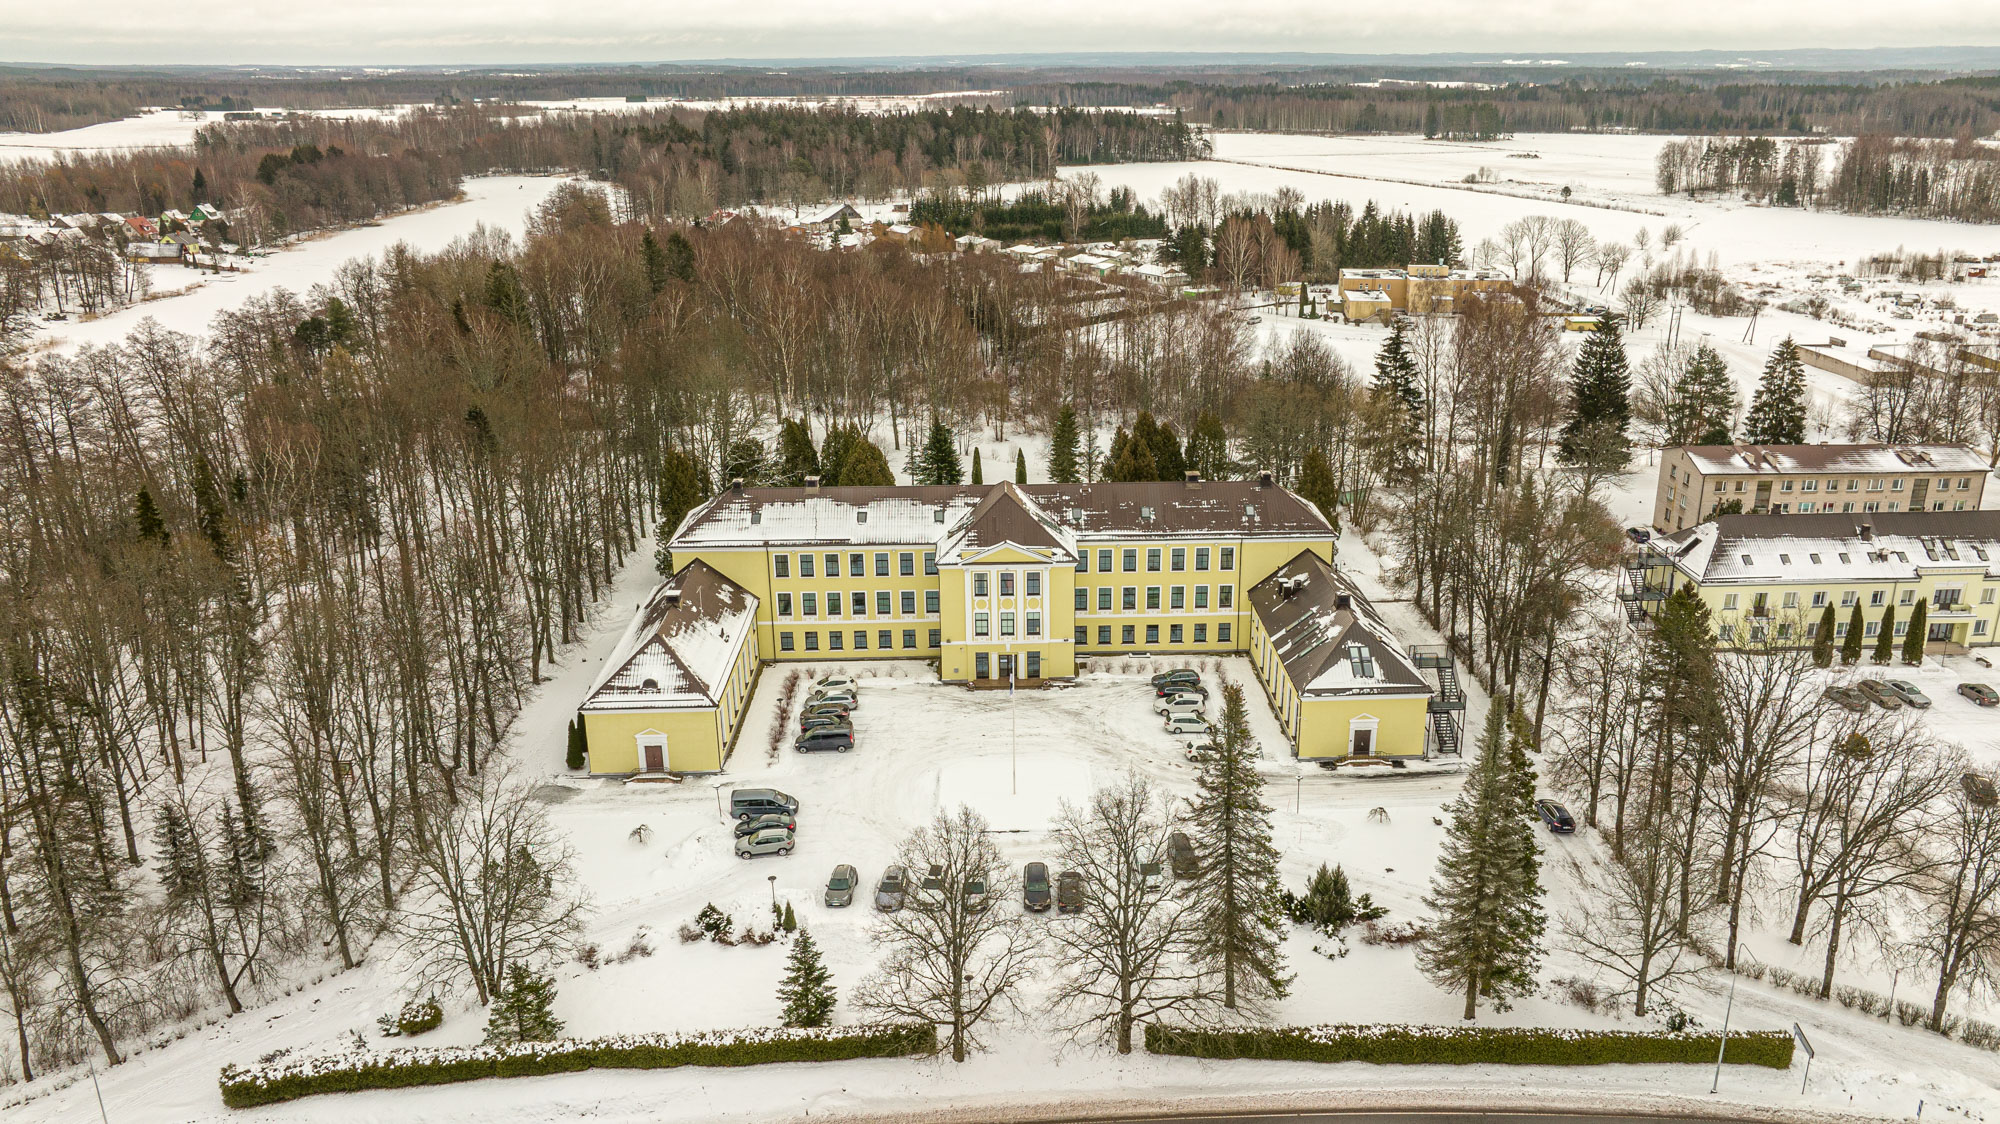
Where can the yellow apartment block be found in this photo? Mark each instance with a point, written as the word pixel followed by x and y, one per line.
pixel 1769 579
pixel 1696 481
pixel 997 583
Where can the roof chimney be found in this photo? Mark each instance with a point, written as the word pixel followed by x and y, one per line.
pixel 812 483
pixel 1264 478
pixel 736 483
pixel 1342 601
pixel 1191 478
pixel 1866 531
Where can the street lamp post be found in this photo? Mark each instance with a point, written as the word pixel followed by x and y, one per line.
pixel 773 879
pixel 1728 1009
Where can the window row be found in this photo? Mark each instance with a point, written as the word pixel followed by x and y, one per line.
pixel 982 624
pixel 1176 634
pixel 1176 558
pixel 836 641
pixel 1947 598
pixel 1176 597
pixel 1032 581
pixel 887 603
pixel 858 564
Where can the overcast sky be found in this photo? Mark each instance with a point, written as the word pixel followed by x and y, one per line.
pixel 486 31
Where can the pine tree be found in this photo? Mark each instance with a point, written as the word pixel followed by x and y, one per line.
pixel 1208 448
pixel 1702 410
pixel 1885 641
pixel 579 745
pixel 1850 645
pixel 862 465
pixel 1064 449
pixel 978 475
pixel 797 458
pixel 1165 447
pixel 1020 466
pixel 198 190
pixel 1397 388
pixel 680 257
pixel 1317 485
pixel 1822 647
pixel 505 296
pixel 1913 640
pixel 937 462
pixel 1600 406
pixel 147 520
pixel 1485 939
pixel 1236 895
pixel 807 995
pixel 524 1009
pixel 655 260
pixel 1778 410
pixel 682 485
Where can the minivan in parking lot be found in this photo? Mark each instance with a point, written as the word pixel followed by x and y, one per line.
pixel 839 739
pixel 745 803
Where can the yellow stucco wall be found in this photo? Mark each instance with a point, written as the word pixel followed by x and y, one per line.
pixel 1975 620
pixel 693 740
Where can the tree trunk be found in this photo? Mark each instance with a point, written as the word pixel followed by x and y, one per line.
pixel 1472 997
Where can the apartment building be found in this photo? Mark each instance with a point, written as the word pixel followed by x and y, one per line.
pixel 1768 579
pixel 1004 584
pixel 1699 481
pixel 1418 288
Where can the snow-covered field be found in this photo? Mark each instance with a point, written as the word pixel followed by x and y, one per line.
pixel 153 128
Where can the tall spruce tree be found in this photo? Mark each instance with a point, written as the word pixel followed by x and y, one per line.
pixel 1885 641
pixel 807 995
pixel 579 745
pixel 1702 410
pixel 1208 448
pixel 1778 410
pixel 1822 646
pixel 147 521
pixel 1317 485
pixel 1237 905
pixel 524 1010
pixel 680 257
pixel 1600 401
pixel 1913 640
pixel 1850 645
pixel 683 484
pixel 655 261
pixel 937 462
pixel 1402 398
pixel 978 473
pixel 1485 938
pixel 797 456
pixel 1020 466
pixel 1131 461
pixel 1065 449
pixel 865 466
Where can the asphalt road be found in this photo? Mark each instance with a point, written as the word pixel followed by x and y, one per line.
pixel 1495 1117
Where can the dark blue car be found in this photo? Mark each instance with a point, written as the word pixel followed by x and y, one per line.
pixel 1556 816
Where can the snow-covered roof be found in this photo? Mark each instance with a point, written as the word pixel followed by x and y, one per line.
pixel 1880 546
pixel 1006 517
pixel 1327 636
pixel 680 646
pixel 1764 460
pixel 916 515
pixel 1367 295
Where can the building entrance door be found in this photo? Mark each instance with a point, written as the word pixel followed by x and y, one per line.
pixel 656 757
pixel 1364 742
pixel 1941 633
pixel 1006 667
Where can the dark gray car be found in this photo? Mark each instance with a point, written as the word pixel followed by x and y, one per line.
pixel 755 824
pixel 839 739
pixel 889 892
pixel 748 803
pixel 1035 895
pixel 840 887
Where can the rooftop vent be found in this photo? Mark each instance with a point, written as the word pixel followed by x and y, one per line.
pixel 1866 531
pixel 736 483
pixel 1264 478
pixel 1343 601
pixel 1191 478
pixel 812 482
pixel 1146 514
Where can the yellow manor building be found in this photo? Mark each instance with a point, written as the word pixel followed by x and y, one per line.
pixel 1007 583
pixel 1768 579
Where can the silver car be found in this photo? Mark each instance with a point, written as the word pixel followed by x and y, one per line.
pixel 770 841
pixel 889 891
pixel 1911 695
pixel 840 887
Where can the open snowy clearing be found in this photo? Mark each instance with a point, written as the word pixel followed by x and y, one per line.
pixel 152 128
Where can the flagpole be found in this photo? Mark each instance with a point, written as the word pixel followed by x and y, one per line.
pixel 1013 736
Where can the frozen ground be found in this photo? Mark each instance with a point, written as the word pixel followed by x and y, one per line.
pixel 153 128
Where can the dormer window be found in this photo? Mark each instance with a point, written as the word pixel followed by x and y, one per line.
pixel 1784 559
pixel 756 517
pixel 937 516
pixel 650 685
pixel 1746 559
pixel 1362 663
pixel 861 517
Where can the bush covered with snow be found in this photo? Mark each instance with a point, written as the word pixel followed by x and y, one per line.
pixel 397 1069
pixel 1389 1044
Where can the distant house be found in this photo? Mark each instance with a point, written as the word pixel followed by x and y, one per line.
pixel 975 243
pixel 1091 264
pixel 829 216
pixel 206 212
pixel 156 253
pixel 1364 304
pixel 1165 276
pixel 142 227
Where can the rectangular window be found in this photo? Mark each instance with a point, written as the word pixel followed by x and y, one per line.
pixel 1006 624
pixel 1007 583
pixel 1979 628
pixel 805 565
pixel 1153 559
pixel 882 564
pixel 1902 628
pixel 1986 597
pixel 1035 584
pixel 784 604
pixel 1082 561
pixel 1082 637
pixel 1228 561
pixel 1082 599
pixel 1846 598
pixel 1173 634
pixel 909 602
pixel 1791 599
pixel 1103 598
pixel 1225 596
pixel 1126 633
pixel 1840 629
pixel 833 565
pixel 1874 627
pixel 1180 558
pixel 1177 597
pixel 784 641
pixel 1152 634
pixel 1222 634
pixel 979 624
pixel 1819 599
pixel 860 603
pixel 1728 602
pixel 860 640
pixel 1909 597
pixel 1876 598
pixel 833 603
pixel 1130 558
pixel 1130 600
pixel 809 604
pixel 857 565
pixel 909 638
pixel 931 601
pixel 1034 624
pixel 1152 597
pixel 906 563
pixel 1201 634
pixel 937 637
pixel 979 585
pixel 1104 634
pixel 1103 561
pixel 1201 597
pixel 930 562
pixel 881 602
pixel 1727 632
pixel 781 565
pixel 886 639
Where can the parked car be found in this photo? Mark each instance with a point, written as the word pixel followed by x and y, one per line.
pixel 847 699
pixel 1035 896
pixel 836 708
pixel 770 841
pixel 1151 876
pixel 1194 751
pixel 889 891
pixel 1979 693
pixel 839 739
pixel 1195 690
pixel 755 824
pixel 1187 725
pixel 1186 675
pixel 1556 816
pixel 1640 535
pixel 977 900
pixel 836 683
pixel 812 721
pixel 1179 703
pixel 1846 697
pixel 934 880
pixel 1069 892
pixel 748 803
pixel 1180 853
pixel 1879 693
pixel 1911 694
pixel 840 886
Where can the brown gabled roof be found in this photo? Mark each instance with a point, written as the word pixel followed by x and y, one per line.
pixel 1007 516
pixel 1315 618
pixel 681 646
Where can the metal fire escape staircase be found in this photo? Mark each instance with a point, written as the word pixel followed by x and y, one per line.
pixel 1447 703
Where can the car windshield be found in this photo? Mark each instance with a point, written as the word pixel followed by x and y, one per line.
pixel 837 882
pixel 892 885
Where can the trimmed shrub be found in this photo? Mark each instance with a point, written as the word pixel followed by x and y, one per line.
pixel 1388 1044
pixel 400 1069
pixel 1911 1014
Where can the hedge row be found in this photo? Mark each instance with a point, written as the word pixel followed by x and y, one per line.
pixel 1443 1045
pixel 350 1073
